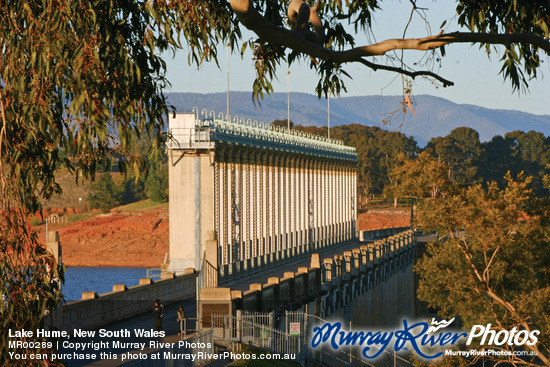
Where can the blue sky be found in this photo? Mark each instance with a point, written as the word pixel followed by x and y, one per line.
pixel 475 74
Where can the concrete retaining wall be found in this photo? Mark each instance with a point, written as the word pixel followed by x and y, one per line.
pixel 95 311
pixel 279 292
pixel 383 305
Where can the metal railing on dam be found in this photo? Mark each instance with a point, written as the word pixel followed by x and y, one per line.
pixel 200 345
pixel 210 130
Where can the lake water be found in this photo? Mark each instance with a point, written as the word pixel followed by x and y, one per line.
pixel 98 279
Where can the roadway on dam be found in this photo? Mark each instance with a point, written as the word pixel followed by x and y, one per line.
pixel 243 284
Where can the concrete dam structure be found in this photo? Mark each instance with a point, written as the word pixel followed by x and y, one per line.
pixel 247 198
pixel 247 195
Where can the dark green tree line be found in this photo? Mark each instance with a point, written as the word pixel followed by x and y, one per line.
pixel 108 193
pixel 461 150
pixel 378 151
pixel 471 161
pixel 468 160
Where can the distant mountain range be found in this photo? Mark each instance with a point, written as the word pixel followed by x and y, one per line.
pixel 433 116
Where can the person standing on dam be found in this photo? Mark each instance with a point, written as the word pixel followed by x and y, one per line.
pixel 180 317
pixel 158 314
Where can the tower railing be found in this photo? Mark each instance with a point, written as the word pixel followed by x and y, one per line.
pixel 209 131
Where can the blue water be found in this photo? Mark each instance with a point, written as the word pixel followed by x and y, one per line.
pixel 98 279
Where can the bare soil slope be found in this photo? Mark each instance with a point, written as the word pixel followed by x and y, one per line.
pixel 140 238
pixel 114 239
pixel 384 218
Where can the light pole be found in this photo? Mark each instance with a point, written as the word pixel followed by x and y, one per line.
pixel 288 99
pixel 227 115
pixel 328 108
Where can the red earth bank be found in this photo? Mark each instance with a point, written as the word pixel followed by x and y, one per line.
pixel 141 239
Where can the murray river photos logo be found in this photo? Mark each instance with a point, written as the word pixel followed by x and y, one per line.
pixel 418 337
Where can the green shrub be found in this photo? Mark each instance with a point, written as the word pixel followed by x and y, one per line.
pixel 106 194
pixel 134 190
pixel 35 221
pixel 156 184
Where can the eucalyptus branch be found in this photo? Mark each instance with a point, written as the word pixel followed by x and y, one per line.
pixel 486 271
pixel 412 74
pixel 278 36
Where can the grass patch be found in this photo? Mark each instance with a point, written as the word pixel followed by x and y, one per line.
pixel 143 205
pixel 35 221
pixel 147 204
pixel 253 351
pixel 73 218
